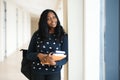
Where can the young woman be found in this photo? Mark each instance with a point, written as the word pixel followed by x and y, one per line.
pixel 49 38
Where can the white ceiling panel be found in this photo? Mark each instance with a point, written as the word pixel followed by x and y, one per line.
pixel 37 6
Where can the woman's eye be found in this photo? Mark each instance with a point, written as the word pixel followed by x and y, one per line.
pixel 54 17
pixel 48 18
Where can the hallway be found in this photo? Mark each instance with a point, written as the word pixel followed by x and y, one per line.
pixel 81 19
pixel 10 67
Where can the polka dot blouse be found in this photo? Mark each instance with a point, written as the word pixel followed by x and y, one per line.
pixel 50 45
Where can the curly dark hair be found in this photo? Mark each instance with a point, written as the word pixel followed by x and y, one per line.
pixel 44 28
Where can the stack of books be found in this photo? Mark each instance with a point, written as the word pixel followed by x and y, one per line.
pixel 58 55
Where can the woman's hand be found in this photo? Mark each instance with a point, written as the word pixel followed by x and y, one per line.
pixel 42 57
pixel 46 59
pixel 50 59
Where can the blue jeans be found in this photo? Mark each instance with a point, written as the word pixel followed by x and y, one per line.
pixel 56 76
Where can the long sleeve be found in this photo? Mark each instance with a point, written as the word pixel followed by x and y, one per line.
pixel 37 46
pixel 32 51
pixel 64 48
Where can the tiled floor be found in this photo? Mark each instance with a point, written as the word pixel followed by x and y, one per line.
pixel 10 68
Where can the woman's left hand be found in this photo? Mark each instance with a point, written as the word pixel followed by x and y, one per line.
pixel 50 59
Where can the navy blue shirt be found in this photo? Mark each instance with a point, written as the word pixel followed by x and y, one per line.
pixel 50 45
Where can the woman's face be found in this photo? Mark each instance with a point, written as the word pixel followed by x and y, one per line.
pixel 51 20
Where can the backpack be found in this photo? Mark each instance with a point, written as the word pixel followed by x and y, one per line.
pixel 25 65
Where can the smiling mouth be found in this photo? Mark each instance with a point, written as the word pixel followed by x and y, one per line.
pixel 53 24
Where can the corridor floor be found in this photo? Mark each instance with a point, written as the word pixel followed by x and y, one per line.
pixel 10 68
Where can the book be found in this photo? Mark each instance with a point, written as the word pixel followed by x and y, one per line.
pixel 58 55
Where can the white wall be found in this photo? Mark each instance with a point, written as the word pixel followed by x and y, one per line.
pixel 18 28
pixel 11 27
pixel 92 39
pixel 1 32
pixel 84 39
pixel 34 24
pixel 75 32
pixel 26 28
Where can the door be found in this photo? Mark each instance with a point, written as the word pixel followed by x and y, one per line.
pixel 111 45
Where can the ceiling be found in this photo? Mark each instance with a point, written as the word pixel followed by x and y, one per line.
pixel 35 7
